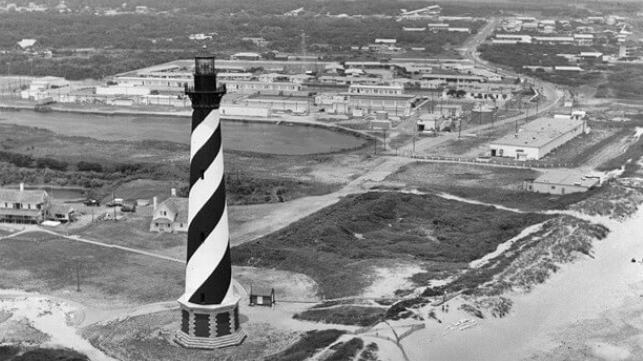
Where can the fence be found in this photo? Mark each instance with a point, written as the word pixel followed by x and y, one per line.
pixel 486 162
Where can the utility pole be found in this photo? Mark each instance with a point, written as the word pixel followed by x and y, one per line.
pixel 384 140
pixel 414 135
pixel 77 275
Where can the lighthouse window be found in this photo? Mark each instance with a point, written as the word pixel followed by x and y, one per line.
pixel 202 173
pixel 202 297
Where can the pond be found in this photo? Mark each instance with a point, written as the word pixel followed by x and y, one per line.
pixel 60 194
pixel 238 136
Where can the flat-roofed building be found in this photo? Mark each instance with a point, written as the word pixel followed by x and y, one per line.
pixel 398 105
pixel 553 40
pixel 562 182
pixel 245 56
pixel 453 78
pixel 455 18
pixel 488 91
pixel 263 105
pixel 584 39
pixel 459 30
pixel 376 89
pixel 405 28
pixel 537 138
pixel 227 76
pixel 524 39
pixel 504 42
pixel 261 86
pixel 575 69
pixel 437 26
pixel 530 26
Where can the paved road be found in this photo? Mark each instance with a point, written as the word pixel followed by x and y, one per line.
pixel 551 93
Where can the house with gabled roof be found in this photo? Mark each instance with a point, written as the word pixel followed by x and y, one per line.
pixel 170 216
pixel 23 206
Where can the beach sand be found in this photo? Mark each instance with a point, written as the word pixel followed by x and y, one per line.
pixel 591 309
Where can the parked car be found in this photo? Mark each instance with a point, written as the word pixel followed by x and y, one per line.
pixel 115 202
pixel 91 202
pixel 128 207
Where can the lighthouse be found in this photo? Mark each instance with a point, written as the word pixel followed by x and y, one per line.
pixel 210 304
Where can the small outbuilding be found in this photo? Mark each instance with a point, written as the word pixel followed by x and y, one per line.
pixel 61 212
pixel 262 296
pixel 562 182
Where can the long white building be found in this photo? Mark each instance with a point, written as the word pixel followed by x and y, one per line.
pixel 538 138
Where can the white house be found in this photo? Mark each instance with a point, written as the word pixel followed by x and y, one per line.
pixel 23 206
pixel 170 216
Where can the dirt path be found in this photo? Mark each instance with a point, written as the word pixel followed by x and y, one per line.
pixel 268 218
pixel 52 317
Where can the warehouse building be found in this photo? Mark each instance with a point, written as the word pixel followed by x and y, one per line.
pixel 562 182
pixel 538 138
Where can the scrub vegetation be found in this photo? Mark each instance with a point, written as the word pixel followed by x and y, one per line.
pixel 344 240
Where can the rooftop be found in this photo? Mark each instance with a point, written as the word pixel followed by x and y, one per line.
pixel 25 196
pixel 567 177
pixel 539 132
pixel 179 206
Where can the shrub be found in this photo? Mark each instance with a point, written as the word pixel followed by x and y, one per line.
pixel 19 160
pixel 51 164
pixel 307 346
pixel 89 166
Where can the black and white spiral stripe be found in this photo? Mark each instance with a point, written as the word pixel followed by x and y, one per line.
pixel 208 273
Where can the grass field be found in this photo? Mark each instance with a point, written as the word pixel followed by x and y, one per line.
pixel 581 149
pixel 108 277
pixel 133 230
pixel 492 185
pixel 339 245
pixel 344 315
pixel 310 343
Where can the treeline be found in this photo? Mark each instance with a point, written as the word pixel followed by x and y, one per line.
pixel 140 32
pixel 358 7
pixel 519 55
pixel 93 67
pixel 27 161
pixel 624 81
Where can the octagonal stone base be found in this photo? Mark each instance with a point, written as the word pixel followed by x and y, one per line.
pixel 209 326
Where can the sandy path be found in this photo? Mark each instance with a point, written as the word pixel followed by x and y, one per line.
pixel 51 317
pixel 580 291
pixel 267 218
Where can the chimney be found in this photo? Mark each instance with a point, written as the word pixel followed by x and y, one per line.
pixel 173 192
pixel 22 187
pixel 154 202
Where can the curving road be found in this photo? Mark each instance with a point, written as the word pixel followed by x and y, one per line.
pixel 550 92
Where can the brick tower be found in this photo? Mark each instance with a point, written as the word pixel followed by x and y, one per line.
pixel 210 305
